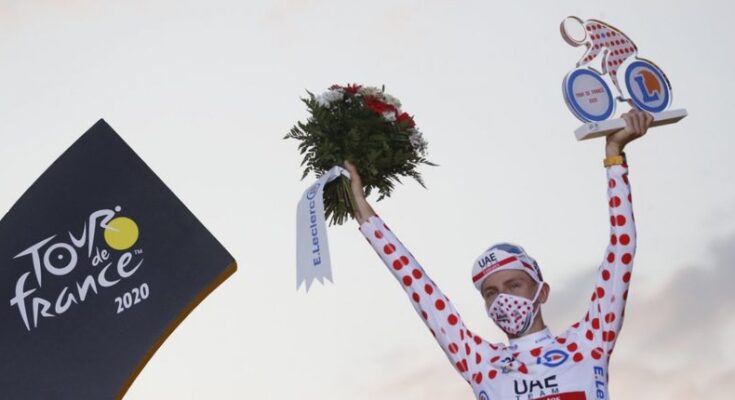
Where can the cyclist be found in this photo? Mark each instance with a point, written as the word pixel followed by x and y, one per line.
pixel 599 37
pixel 535 364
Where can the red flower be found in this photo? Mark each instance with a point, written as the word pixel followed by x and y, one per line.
pixel 378 106
pixel 406 118
pixel 352 89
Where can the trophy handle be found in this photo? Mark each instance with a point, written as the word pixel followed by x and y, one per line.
pixel 593 130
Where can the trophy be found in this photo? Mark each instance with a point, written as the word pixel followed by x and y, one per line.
pixel 588 91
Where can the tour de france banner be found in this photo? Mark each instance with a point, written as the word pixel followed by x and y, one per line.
pixel 99 262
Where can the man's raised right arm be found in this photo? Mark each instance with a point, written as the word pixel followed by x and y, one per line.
pixel 466 351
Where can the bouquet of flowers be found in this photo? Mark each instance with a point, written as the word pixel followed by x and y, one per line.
pixel 366 126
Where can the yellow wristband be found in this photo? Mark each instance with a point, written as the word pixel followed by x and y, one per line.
pixel 614 160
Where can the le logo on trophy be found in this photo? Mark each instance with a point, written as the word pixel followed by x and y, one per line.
pixel 588 92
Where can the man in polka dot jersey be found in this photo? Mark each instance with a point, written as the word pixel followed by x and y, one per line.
pixel 536 364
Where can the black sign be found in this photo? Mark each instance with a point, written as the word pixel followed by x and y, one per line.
pixel 99 262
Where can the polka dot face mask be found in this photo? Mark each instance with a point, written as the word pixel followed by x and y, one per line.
pixel 514 314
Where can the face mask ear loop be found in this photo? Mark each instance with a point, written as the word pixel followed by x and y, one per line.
pixel 535 299
pixel 538 292
pixel 535 308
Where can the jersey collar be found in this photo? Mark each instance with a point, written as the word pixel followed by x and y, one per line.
pixel 537 339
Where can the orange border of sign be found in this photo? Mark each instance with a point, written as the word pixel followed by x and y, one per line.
pixel 174 324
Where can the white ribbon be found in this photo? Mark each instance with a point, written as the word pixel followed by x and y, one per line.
pixel 312 247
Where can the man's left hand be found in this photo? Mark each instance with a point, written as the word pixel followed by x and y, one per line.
pixel 636 125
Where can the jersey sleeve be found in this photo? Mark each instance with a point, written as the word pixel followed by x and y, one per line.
pixel 604 318
pixel 465 350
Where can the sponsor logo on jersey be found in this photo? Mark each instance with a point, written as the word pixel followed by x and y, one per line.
pixel 600 380
pixel 543 387
pixel 542 339
pixel 565 396
pixel 553 358
pixel 506 368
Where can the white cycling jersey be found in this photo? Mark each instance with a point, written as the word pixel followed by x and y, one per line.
pixel 569 366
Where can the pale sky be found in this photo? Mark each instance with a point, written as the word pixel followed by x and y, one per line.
pixel 205 91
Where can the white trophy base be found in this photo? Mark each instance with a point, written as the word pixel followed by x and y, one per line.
pixel 598 129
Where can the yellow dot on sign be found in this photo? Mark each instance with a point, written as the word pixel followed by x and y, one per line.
pixel 121 233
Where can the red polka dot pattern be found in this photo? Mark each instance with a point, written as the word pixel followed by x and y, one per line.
pixel 487 365
pixel 597 353
pixel 602 37
pixel 627 258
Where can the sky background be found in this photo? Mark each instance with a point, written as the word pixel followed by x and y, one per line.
pixel 205 91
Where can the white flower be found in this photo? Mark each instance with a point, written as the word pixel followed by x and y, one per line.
pixel 369 91
pixel 328 97
pixel 389 116
pixel 417 141
pixel 392 100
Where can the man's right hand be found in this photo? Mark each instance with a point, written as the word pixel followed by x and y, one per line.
pixel 363 211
